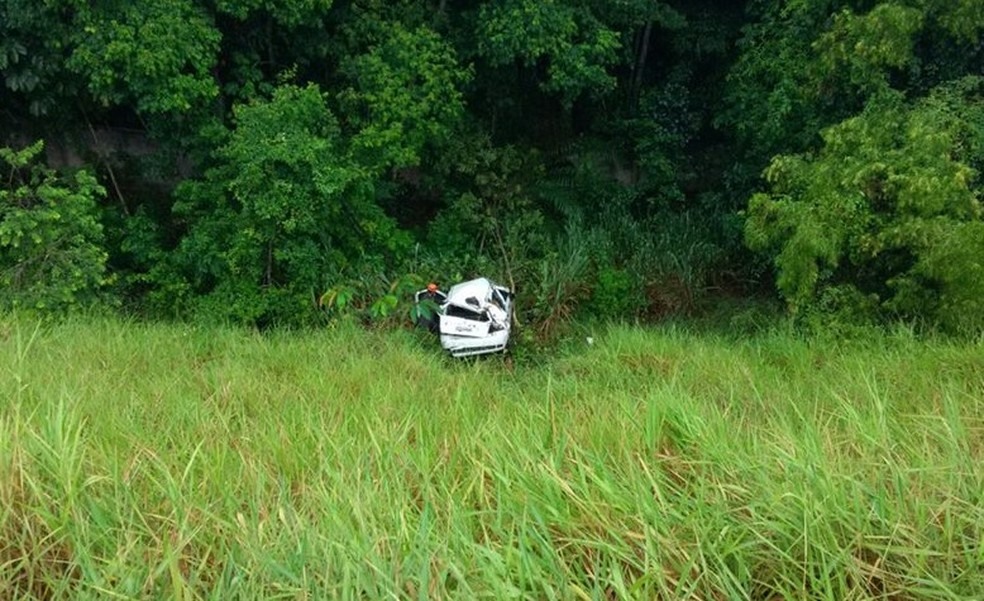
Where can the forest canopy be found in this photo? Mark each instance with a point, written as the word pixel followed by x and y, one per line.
pixel 286 162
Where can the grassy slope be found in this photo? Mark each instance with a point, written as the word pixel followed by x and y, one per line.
pixel 154 461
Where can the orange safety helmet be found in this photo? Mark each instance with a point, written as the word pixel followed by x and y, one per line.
pixel 432 287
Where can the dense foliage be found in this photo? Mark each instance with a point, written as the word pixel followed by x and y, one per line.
pixel 51 254
pixel 886 215
pixel 281 162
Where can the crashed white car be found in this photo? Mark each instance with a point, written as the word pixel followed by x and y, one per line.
pixel 473 317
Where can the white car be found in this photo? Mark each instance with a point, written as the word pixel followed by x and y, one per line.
pixel 473 317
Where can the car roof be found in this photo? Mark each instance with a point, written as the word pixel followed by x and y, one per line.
pixel 479 288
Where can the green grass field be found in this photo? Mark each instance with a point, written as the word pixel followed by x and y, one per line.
pixel 158 461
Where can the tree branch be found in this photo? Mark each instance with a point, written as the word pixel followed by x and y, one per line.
pixel 109 167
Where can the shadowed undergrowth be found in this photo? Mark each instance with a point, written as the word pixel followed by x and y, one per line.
pixel 149 460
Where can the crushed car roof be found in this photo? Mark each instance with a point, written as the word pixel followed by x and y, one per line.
pixel 479 289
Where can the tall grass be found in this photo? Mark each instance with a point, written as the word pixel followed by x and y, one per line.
pixel 144 461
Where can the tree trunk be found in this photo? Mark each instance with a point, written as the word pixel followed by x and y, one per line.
pixel 640 66
pixel 109 167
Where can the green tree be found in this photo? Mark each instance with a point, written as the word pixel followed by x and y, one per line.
pixel 156 55
pixel 405 95
pixel 285 14
pixel 575 47
pixel 887 216
pixel 775 99
pixel 33 51
pixel 261 39
pixel 51 254
pixel 284 210
pixel 807 65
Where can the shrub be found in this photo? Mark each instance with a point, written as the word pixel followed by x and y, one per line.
pixel 283 210
pixel 51 240
pixel 889 207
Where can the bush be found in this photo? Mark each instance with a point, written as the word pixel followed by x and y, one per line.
pixel 51 241
pixel 614 294
pixel 890 207
pixel 284 209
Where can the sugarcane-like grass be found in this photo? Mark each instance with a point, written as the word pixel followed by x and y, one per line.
pixel 146 461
